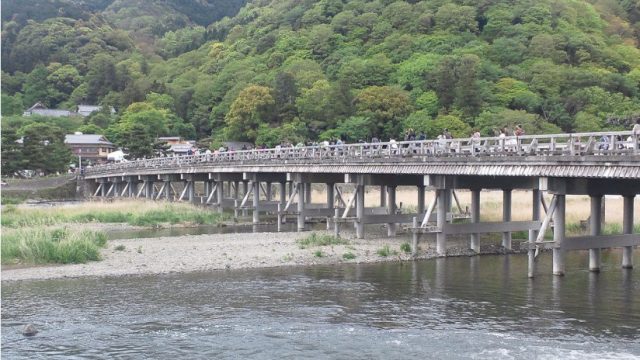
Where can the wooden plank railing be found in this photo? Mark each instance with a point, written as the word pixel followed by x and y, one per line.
pixel 577 144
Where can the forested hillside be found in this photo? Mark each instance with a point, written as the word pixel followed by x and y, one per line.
pixel 299 69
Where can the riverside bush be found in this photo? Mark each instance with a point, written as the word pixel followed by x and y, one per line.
pixel 39 245
pixel 386 251
pixel 320 240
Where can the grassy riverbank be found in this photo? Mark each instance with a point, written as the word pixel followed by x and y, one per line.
pixel 30 236
pixel 42 245
pixel 136 213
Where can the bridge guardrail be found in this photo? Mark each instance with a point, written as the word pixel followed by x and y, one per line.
pixel 599 143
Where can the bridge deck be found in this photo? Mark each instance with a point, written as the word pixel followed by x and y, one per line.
pixel 585 155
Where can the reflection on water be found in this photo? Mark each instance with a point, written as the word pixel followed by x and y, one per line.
pixel 479 307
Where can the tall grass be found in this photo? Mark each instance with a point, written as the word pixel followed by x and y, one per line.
pixel 320 240
pixel 140 213
pixel 40 245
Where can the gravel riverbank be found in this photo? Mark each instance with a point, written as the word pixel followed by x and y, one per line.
pixel 222 252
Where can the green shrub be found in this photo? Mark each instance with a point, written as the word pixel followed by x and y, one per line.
pixel 386 251
pixel 119 248
pixel 405 247
pixel 320 240
pixel 318 254
pixel 348 256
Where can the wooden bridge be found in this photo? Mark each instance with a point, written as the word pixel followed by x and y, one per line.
pixel 594 164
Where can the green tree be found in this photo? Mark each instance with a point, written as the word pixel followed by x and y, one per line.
pixel 137 141
pixel 253 106
pixel 12 105
pixel 12 155
pixel 352 129
pixel 35 86
pixel 44 148
pixel 490 121
pixel 386 106
pixel 457 127
pixel 455 18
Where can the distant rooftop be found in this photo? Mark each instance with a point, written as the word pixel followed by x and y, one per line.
pixel 88 139
pixel 86 110
pixel 40 109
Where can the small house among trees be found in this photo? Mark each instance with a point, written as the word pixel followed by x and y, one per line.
pixel 94 148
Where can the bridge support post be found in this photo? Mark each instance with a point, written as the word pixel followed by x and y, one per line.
pixel 103 189
pixel 167 190
pixel 300 188
pixel 116 189
pixel 391 209
pixel 245 190
pixel 283 200
pixel 148 189
pixel 533 234
pixel 268 191
pixel 415 237
pixel 256 202
pixel 360 211
pixel 220 196
pixel 307 193
pixel 330 201
pixel 559 235
pixel 506 217
pixel 475 218
pixel 627 228
pixel 236 190
pixel 595 227
pixel 383 196
pixel 441 222
pixel 191 191
pixel 421 201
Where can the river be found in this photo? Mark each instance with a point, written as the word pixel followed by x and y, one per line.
pixel 454 308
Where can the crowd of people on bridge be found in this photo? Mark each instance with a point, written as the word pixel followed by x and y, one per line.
pixel 507 139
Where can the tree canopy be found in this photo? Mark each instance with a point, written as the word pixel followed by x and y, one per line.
pixel 290 70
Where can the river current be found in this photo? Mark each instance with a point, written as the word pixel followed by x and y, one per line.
pixel 453 308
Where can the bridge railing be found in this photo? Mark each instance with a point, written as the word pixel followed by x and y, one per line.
pixel 577 144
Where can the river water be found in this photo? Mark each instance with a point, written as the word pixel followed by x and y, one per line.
pixel 454 308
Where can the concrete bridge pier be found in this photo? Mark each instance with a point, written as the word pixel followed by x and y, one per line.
pixel 421 199
pixel 506 217
pixel 533 234
pixel 383 196
pixel 330 202
pixel 283 202
pixel 300 191
pixel 360 210
pixel 268 193
pixel 559 235
pixel 256 201
pixel 220 195
pixel 391 209
pixel 245 191
pixel 627 228
pixel 103 187
pixel 441 221
pixel 114 189
pixel 595 226
pixel 475 218
pixel 133 187
pixel 307 193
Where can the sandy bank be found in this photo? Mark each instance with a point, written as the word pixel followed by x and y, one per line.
pixel 217 252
